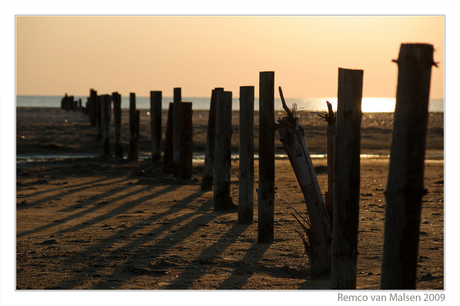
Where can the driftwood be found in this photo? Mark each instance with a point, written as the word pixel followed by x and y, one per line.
pixel 318 238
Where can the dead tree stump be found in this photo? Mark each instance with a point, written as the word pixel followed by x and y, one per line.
pixel 318 243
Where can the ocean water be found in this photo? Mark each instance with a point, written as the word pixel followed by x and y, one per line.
pixel 369 104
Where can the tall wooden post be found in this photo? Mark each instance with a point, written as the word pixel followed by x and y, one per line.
pixel 168 154
pixel 346 179
pixel 133 153
pixel 222 155
pixel 208 169
pixel 405 179
pixel 186 139
pixel 93 107
pixel 155 123
pixel 176 131
pixel 105 123
pixel 246 171
pixel 267 125
pixel 117 122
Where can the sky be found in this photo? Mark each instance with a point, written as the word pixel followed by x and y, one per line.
pixel 71 54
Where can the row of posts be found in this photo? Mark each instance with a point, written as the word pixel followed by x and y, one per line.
pixel 406 162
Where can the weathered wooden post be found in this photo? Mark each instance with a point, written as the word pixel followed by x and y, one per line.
pixel 168 154
pixel 93 107
pixel 405 179
pixel 346 179
pixel 105 116
pixel 133 153
pixel 267 127
pixel 186 139
pixel 329 117
pixel 176 131
pixel 155 123
pixel 318 235
pixel 116 97
pixel 98 116
pixel 208 169
pixel 222 155
pixel 246 165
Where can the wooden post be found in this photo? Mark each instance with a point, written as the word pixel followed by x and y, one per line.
pixel 137 128
pixel 208 169
pixel 186 140
pixel 347 179
pixel 117 123
pixel 98 116
pixel 222 155
pixel 133 153
pixel 267 126
pixel 405 179
pixel 93 107
pixel 168 154
pixel 330 135
pixel 105 124
pixel 318 235
pixel 246 165
pixel 155 123
pixel 176 131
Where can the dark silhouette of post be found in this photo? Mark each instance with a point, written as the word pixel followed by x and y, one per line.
pixel 176 131
pixel 222 155
pixel 405 179
pixel 105 124
pixel 168 154
pixel 116 97
pixel 186 140
pixel 155 123
pixel 98 116
pixel 246 165
pixel 93 107
pixel 346 179
pixel 133 153
pixel 266 203
pixel 330 135
pixel 208 169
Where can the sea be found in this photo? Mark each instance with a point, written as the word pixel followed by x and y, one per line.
pixel 369 104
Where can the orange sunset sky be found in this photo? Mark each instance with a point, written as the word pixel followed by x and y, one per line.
pixel 57 55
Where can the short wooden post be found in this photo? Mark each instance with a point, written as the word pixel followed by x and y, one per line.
pixel 117 123
pixel 155 123
pixel 168 154
pixel 246 165
pixel 186 137
pixel 208 169
pixel 133 153
pixel 346 179
pixel 267 126
pixel 405 179
pixel 176 131
pixel 93 107
pixel 105 116
pixel 222 155
pixel 98 116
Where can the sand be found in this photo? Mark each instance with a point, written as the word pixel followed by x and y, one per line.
pixel 101 223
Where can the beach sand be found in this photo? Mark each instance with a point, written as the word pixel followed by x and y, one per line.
pixel 101 223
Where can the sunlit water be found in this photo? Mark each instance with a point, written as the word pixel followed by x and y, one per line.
pixel 369 104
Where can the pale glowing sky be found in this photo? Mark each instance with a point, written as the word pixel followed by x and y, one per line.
pixel 57 55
